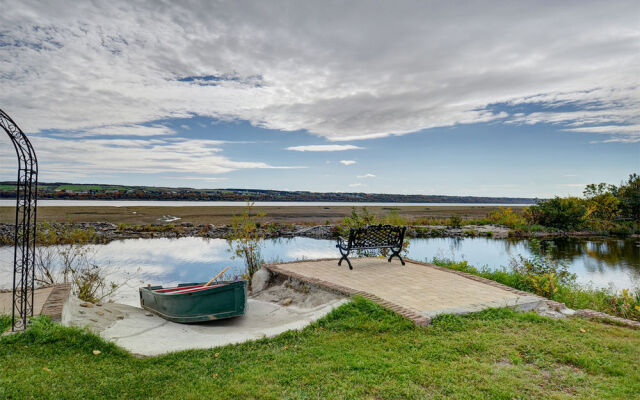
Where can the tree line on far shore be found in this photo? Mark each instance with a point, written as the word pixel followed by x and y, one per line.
pixel 602 207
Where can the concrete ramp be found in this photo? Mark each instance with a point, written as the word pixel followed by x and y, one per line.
pixel 416 290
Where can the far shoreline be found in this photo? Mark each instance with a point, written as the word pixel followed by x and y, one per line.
pixel 222 203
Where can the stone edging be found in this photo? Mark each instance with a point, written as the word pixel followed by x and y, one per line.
pixel 587 313
pixel 55 301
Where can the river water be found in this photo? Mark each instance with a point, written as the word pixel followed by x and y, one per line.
pixel 611 263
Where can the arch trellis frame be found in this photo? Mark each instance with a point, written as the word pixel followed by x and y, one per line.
pixel 25 224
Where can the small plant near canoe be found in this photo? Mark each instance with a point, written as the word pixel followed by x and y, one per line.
pixel 65 255
pixel 245 239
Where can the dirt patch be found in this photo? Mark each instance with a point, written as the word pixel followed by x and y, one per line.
pixel 297 294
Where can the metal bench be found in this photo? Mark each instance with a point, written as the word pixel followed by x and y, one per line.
pixel 372 237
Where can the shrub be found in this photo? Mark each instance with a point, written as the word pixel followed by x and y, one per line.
pixel 356 220
pixel 563 213
pixel 393 218
pixel 51 233
pixel 245 239
pixel 541 273
pixel 601 202
pixel 454 221
pixel 507 217
pixel 64 255
pixel 626 304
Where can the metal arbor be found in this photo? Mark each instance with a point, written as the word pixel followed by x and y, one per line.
pixel 25 228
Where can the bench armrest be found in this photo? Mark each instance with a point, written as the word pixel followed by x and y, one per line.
pixel 342 242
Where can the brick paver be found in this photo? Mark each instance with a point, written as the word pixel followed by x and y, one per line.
pixel 416 289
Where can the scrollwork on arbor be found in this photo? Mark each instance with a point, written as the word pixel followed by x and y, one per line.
pixel 25 224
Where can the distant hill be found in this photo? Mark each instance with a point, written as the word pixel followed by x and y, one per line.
pixel 74 191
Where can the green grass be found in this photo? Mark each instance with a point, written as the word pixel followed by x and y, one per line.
pixel 358 351
pixel 79 187
pixel 5 322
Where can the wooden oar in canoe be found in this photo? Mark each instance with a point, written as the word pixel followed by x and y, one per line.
pixel 217 276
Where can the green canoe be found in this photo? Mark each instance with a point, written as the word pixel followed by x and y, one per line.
pixel 194 302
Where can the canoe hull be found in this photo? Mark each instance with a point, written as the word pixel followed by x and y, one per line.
pixel 224 301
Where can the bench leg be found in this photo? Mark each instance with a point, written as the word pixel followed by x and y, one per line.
pixel 344 257
pixel 396 254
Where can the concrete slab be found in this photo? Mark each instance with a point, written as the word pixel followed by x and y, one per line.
pixel 415 290
pixel 151 335
pixel 144 333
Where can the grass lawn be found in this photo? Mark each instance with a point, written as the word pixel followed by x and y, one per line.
pixel 358 351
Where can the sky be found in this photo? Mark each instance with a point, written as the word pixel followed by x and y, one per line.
pixel 482 98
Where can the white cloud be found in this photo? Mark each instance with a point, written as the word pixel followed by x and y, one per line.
pixel 623 133
pixel 127 130
pixel 341 71
pixel 366 176
pixel 88 157
pixel 347 162
pixel 357 184
pixel 324 147
pixel 572 185
pixel 197 178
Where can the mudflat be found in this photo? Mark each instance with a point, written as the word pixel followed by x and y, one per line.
pixel 220 215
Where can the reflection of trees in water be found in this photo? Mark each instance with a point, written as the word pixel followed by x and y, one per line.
pixel 455 244
pixel 600 255
pixel 511 245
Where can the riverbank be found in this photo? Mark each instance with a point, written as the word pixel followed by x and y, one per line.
pixel 106 232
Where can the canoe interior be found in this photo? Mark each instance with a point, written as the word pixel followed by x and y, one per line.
pixel 192 302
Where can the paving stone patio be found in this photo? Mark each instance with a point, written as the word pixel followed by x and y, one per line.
pixel 46 301
pixel 418 291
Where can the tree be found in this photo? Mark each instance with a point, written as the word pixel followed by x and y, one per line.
pixel 562 213
pixel 601 202
pixel 629 196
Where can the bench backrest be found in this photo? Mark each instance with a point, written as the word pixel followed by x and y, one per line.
pixel 376 236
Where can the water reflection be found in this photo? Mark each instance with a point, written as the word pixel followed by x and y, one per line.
pixel 599 262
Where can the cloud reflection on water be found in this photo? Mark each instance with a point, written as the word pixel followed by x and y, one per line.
pixel 168 261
